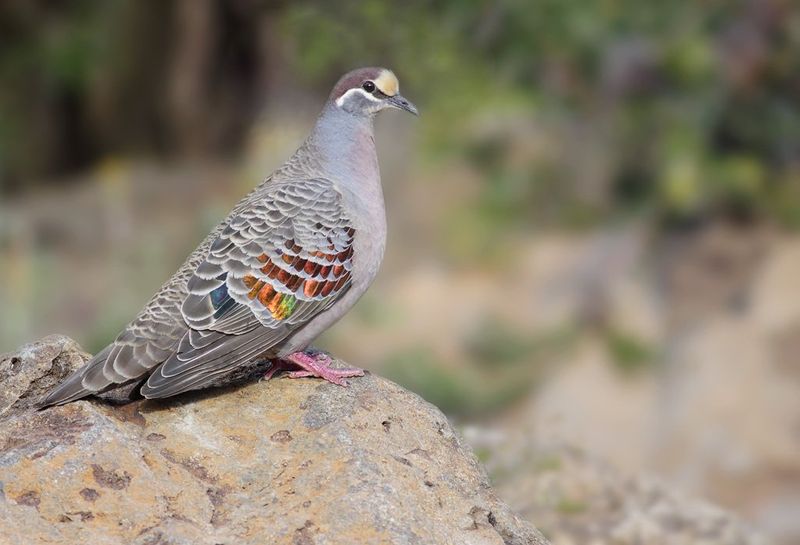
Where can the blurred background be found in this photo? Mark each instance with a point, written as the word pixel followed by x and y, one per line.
pixel 593 249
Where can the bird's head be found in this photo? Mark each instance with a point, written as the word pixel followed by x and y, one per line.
pixel 366 91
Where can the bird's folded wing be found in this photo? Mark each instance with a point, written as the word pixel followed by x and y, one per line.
pixel 276 265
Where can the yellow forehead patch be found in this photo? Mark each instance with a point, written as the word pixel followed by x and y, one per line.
pixel 387 83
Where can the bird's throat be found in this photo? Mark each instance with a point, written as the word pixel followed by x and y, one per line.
pixel 346 146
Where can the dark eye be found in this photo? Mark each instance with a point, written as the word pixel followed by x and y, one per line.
pixel 368 86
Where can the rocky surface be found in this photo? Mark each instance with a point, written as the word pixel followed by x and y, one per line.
pixel 32 371
pixel 290 461
pixel 717 413
pixel 577 499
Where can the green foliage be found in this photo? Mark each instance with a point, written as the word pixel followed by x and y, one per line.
pixel 691 103
pixel 685 108
pixel 629 353
pixel 462 391
pixel 502 366
pixel 548 462
pixel 419 371
pixel 496 344
pixel 567 506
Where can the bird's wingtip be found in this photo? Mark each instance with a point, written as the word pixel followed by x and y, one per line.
pixel 71 389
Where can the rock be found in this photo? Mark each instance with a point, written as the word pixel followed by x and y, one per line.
pixel 578 499
pixel 716 412
pixel 35 369
pixel 287 461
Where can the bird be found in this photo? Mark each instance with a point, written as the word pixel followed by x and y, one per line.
pixel 291 258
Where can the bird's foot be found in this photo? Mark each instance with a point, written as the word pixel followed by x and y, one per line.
pixel 313 364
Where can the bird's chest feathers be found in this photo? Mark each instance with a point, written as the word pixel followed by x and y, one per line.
pixel 368 217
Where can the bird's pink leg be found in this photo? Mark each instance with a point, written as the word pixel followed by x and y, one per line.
pixel 316 364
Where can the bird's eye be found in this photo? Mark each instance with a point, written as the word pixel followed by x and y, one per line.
pixel 368 86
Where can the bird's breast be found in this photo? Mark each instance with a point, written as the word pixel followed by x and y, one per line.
pixel 369 220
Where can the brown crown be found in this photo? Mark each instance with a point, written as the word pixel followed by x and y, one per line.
pixel 384 79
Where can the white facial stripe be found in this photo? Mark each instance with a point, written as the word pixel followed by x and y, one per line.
pixel 341 100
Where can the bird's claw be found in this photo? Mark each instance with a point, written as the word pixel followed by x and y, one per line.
pixel 314 364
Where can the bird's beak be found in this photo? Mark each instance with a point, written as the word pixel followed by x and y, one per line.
pixel 399 101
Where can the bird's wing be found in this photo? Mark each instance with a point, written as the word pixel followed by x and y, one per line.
pixel 276 265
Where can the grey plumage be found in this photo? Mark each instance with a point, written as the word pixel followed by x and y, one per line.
pixel 289 260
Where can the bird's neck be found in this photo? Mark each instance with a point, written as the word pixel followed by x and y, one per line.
pixel 345 146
